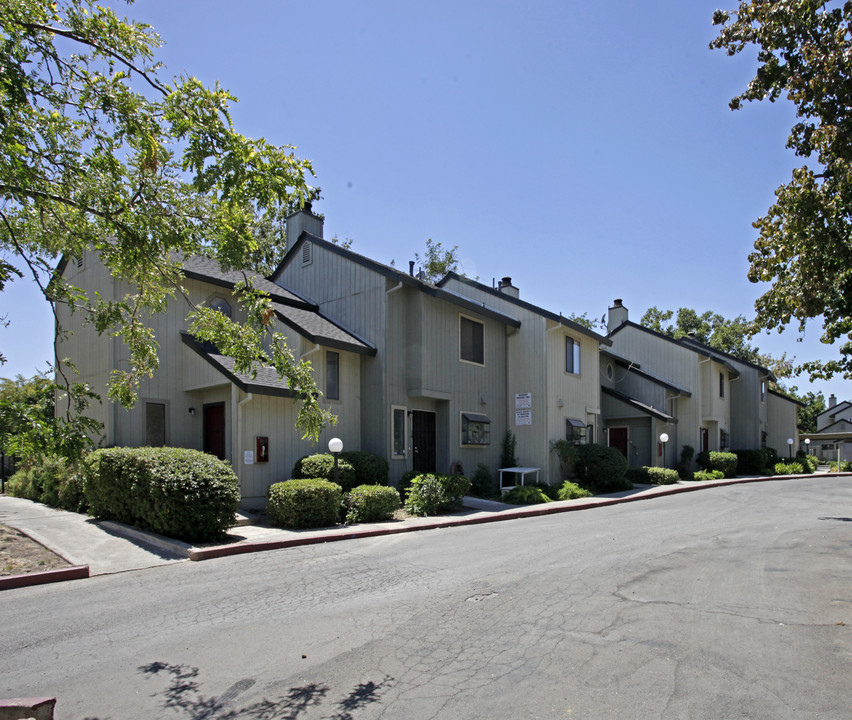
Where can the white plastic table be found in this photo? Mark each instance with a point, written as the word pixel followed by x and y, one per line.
pixel 522 471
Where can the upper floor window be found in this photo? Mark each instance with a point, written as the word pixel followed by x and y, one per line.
pixel 219 304
pixel 721 385
pixel 332 375
pixel 762 390
pixel 572 356
pixel 471 340
pixel 399 432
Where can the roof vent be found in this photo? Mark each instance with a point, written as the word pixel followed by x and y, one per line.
pixel 307 253
pixel 505 286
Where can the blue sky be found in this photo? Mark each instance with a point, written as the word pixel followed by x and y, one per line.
pixel 584 149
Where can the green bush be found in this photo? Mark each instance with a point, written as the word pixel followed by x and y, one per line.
pixel 790 468
pixel 599 468
pixel 181 493
pixel 322 466
pixel 430 494
pixel 405 483
pixel 808 462
pixel 638 475
pixel 20 485
pixel 663 476
pixel 304 503
pixel 370 469
pixel 525 495
pixel 771 456
pixel 371 503
pixel 72 492
pixel 571 491
pixel 752 462
pixel 724 461
pixel 704 475
pixel 482 481
pixel 845 466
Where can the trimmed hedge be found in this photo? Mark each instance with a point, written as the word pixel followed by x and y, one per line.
pixel 752 462
pixel 599 468
pixel 571 491
pixel 430 494
pixel 704 475
pixel 370 469
pixel 649 475
pixel 371 503
pixel 321 465
pixel 304 503
pixel 724 461
pixel 181 493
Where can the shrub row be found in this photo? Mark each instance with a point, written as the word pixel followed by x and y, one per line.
pixel 845 466
pixel 704 475
pixel 316 502
pixel 181 493
pixel 354 468
pixel 756 462
pixel 54 482
pixel 598 468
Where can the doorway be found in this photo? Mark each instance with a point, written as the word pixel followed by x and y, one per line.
pixel 214 429
pixel 618 439
pixel 423 436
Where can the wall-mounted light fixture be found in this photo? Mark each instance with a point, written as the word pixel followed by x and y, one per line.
pixel 192 411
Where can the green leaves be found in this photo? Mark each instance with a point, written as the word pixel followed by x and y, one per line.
pixel 98 152
pixel 805 244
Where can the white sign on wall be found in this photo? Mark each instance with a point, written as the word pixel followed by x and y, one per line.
pixel 523 400
pixel 523 417
pixel 248 457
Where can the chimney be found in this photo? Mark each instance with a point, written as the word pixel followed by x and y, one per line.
pixel 832 400
pixel 301 221
pixel 617 315
pixel 505 286
pixel 411 268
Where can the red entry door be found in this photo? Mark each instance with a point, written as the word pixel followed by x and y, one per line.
pixel 214 430
pixel 705 439
pixel 618 439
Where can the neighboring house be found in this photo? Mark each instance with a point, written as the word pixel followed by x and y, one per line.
pixel 834 431
pixel 695 394
pixel 195 399
pixel 457 364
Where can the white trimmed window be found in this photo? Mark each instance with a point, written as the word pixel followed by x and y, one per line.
pixel 475 429
pixel 332 375
pixel 399 431
pixel 572 356
pixel 471 340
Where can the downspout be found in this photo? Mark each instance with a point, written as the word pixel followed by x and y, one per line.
pixel 238 450
pixel 408 443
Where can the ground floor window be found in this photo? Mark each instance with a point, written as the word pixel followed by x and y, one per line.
pixel 155 424
pixel 576 431
pixel 475 429
pixel 399 431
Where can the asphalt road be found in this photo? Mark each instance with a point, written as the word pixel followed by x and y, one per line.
pixel 732 602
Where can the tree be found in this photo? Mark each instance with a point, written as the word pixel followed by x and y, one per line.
pixel 804 248
pixel 437 262
pixel 715 331
pixel 98 152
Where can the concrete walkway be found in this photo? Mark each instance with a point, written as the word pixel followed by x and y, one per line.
pixel 110 547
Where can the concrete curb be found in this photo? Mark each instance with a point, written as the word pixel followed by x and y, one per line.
pixel 254 546
pixel 145 537
pixel 75 572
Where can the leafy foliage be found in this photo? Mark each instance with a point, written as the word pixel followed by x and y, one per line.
pixel 371 503
pixel 804 248
pixel 370 469
pixel 430 494
pixel 304 503
pixel 794 467
pixel 180 493
pixel 572 491
pixel 525 495
pixel 597 468
pixel 482 481
pixel 437 262
pixel 752 462
pixel 99 153
pixel 705 475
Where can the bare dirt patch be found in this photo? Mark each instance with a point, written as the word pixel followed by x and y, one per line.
pixel 20 554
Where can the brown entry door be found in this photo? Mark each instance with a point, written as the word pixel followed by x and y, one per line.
pixel 618 439
pixel 214 430
pixel 705 439
pixel 423 440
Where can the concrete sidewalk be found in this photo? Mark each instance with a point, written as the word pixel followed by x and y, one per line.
pixel 110 547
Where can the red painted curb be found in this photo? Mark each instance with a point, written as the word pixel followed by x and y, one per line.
pixel 341 535
pixel 75 572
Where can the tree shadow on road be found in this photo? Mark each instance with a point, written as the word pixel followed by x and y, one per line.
pixel 183 694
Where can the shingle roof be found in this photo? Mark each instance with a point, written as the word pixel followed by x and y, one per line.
pixel 639 405
pixel 208 270
pixel 264 382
